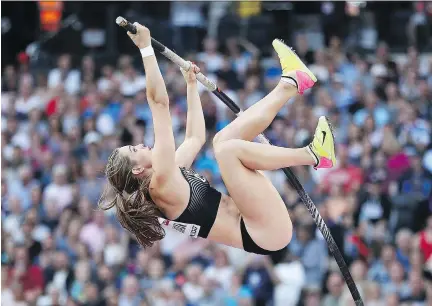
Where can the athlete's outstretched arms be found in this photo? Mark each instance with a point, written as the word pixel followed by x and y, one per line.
pixel 163 157
pixel 195 124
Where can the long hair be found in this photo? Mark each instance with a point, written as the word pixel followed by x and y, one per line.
pixel 136 212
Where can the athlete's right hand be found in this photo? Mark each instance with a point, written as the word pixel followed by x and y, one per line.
pixel 190 75
pixel 142 37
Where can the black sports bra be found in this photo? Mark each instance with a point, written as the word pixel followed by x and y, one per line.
pixel 203 203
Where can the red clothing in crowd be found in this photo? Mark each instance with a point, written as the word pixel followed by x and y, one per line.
pixel 362 247
pixel 51 107
pixel 31 279
pixel 348 177
pixel 425 245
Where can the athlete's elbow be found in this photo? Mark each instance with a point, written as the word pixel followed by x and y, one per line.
pixel 200 139
pixel 196 141
pixel 157 98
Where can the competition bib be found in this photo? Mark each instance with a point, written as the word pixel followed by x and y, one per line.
pixel 191 230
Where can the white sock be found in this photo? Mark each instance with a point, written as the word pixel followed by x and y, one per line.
pixel 313 155
pixel 289 81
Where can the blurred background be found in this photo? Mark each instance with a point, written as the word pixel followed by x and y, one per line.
pixel 73 88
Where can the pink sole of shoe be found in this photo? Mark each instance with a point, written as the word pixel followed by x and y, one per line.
pixel 304 81
pixel 325 163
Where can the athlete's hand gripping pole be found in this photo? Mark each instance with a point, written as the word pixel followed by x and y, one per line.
pixel 319 221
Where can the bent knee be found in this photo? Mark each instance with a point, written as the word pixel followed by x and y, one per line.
pixel 226 148
pixel 219 138
pixel 216 139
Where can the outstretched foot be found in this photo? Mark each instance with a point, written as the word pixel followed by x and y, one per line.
pixel 322 147
pixel 293 69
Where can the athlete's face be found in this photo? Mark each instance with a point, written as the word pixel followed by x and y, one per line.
pixel 140 156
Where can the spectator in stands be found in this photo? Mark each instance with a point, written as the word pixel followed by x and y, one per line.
pixel 424 242
pixel 12 223
pixel 59 273
pixel 259 277
pixel 290 279
pixel 221 271
pixel 311 252
pixel 397 282
pixel 26 101
pixel 192 289
pixel 130 292
pixel 212 292
pixel 92 234
pixel 59 191
pixel 82 274
pixel 238 294
pixel 380 269
pixel 64 74
pixel 348 176
pixel 23 274
pixel 373 296
pixel 417 292
pixel 404 247
pixel 210 56
pixel 312 295
pixel 334 285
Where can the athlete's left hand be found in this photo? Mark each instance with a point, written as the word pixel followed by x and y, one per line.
pixel 190 75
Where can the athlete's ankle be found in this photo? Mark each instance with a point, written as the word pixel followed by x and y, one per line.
pixel 288 83
pixel 313 158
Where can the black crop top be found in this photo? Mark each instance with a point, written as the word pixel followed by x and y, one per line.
pixel 203 203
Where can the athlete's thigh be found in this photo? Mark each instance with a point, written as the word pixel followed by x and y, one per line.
pixel 264 212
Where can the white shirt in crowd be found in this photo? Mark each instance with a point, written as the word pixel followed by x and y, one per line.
pixel 193 292
pixel 93 236
pixel 171 241
pixel 292 279
pixel 56 288
pixel 12 225
pixel 114 254
pixel 132 87
pixel 104 84
pixel 222 275
pixel 61 195
pixel 24 106
pixel 187 14
pixel 213 62
pixel 72 82
pixel 8 298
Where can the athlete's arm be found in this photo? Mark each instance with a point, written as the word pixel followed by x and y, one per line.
pixel 195 124
pixel 163 157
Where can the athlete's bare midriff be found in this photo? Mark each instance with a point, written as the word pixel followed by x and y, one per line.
pixel 226 228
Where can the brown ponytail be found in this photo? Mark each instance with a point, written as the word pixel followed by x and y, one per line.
pixel 135 210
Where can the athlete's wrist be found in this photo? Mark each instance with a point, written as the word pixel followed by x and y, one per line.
pixel 192 83
pixel 147 51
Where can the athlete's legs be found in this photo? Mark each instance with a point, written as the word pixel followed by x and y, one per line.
pixel 296 77
pixel 258 156
pixel 258 201
pixel 262 208
pixel 258 117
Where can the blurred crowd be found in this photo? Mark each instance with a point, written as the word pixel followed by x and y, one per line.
pixel 59 127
